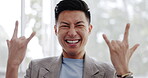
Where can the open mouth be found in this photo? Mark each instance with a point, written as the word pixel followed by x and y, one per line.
pixel 73 41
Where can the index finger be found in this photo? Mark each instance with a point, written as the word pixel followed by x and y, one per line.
pixel 125 39
pixel 15 30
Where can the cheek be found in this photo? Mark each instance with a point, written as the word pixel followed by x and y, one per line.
pixel 61 34
pixel 83 32
pixel 84 35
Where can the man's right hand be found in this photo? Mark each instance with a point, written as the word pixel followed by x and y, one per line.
pixel 17 50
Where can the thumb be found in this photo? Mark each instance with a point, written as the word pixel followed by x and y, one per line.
pixel 31 36
pixel 134 48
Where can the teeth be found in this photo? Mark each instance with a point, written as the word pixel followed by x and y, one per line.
pixel 73 41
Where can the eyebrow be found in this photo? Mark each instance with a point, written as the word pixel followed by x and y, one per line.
pixel 75 23
pixel 79 22
pixel 64 23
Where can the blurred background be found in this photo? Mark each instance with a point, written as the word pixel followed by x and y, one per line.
pixel 108 16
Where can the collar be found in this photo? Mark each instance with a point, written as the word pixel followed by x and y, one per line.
pixel 91 69
pixel 52 69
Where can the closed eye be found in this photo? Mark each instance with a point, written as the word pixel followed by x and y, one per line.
pixel 64 26
pixel 80 25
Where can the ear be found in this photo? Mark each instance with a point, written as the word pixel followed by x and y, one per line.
pixel 55 29
pixel 90 29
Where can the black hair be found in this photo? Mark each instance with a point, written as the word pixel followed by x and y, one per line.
pixel 72 5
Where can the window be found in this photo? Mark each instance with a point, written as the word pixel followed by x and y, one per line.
pixel 10 11
pixel 108 16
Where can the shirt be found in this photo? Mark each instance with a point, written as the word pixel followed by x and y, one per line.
pixel 71 68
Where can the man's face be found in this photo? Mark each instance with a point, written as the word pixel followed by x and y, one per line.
pixel 72 29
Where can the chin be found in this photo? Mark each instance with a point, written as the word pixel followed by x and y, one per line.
pixel 72 52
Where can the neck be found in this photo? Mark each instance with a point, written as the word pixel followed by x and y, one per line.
pixel 79 55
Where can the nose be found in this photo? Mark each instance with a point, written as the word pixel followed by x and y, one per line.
pixel 72 32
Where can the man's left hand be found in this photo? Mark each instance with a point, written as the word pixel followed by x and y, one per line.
pixel 120 52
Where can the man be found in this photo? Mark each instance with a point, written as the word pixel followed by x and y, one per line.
pixel 72 29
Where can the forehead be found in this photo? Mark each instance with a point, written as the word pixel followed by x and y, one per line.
pixel 72 16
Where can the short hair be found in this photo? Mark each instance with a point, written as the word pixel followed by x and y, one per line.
pixel 72 5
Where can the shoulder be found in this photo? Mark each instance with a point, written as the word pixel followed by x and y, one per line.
pixel 44 60
pixel 42 63
pixel 100 65
pixel 39 67
pixel 106 67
